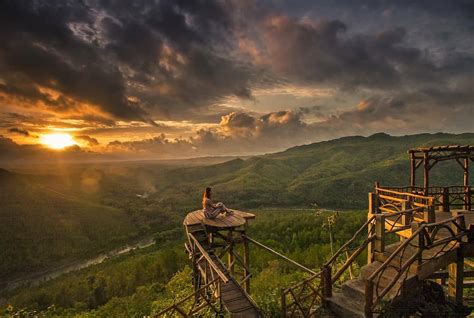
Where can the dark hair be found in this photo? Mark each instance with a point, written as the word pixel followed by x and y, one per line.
pixel 206 195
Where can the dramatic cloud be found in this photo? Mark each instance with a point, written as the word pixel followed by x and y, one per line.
pixel 88 140
pixel 198 77
pixel 19 131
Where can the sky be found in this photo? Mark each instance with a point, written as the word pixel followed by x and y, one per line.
pixel 144 79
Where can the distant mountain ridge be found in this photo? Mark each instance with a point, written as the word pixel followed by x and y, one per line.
pixel 336 173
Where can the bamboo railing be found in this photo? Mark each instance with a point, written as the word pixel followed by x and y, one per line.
pixel 423 238
pixel 205 297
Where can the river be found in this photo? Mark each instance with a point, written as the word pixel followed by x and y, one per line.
pixel 36 278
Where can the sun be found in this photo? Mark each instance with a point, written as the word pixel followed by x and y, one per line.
pixel 57 141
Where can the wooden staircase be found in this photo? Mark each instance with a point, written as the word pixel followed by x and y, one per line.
pixel 350 301
pixel 215 287
pixel 233 297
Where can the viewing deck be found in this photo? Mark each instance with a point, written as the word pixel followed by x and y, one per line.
pixel 239 218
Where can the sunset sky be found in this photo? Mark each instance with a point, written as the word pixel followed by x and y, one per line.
pixel 173 79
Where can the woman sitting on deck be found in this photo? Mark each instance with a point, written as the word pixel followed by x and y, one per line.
pixel 212 210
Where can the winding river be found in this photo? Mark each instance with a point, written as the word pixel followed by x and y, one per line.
pixel 36 278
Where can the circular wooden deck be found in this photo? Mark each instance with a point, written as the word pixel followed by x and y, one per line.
pixel 239 218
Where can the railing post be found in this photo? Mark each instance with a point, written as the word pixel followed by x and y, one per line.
pixel 283 302
pixel 379 244
pixel 467 198
pixel 456 277
pixel 461 222
pixel 373 206
pixel 327 282
pixel 429 215
pixel 405 218
pixel 445 199
pixel 370 227
pixel 369 298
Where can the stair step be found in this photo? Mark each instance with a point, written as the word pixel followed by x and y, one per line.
pixel 354 288
pixel 388 274
pixel 344 306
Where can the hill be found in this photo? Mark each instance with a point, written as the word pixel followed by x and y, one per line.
pixel 67 212
pixel 336 174
pixel 42 225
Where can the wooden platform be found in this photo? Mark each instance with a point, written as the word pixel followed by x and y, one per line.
pixel 239 218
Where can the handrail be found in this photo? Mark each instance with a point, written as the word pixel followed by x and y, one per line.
pixel 339 251
pixel 303 296
pixel 414 195
pixel 279 255
pixel 222 276
pixel 175 305
pixel 399 248
pixel 406 265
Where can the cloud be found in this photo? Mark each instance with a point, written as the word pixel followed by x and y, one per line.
pixel 90 141
pixel 248 72
pixel 116 61
pixel 19 131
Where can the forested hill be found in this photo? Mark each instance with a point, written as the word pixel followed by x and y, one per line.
pixel 336 173
pixel 80 210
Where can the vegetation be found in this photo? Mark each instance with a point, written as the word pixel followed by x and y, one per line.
pixel 61 214
pixel 140 284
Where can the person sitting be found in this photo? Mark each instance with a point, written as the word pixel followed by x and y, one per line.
pixel 210 209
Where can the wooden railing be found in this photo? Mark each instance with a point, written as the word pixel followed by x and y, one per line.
pixel 349 252
pixel 304 298
pixel 208 292
pixel 425 236
pixel 444 198
pixel 188 306
pixel 394 201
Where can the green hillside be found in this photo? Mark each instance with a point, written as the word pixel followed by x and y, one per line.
pixel 41 225
pixel 337 173
pixel 71 211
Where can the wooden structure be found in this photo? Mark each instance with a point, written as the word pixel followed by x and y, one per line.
pixel 433 229
pixel 219 251
pixel 428 157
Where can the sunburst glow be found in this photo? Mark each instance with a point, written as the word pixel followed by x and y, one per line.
pixel 57 141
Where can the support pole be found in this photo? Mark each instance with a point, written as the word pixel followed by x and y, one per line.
pixel 230 253
pixel 456 277
pixel 371 228
pixel 467 194
pixel 246 266
pixel 445 198
pixel 412 169
pixel 426 172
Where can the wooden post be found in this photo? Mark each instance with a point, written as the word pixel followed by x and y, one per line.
pixel 456 277
pixel 429 216
pixel 373 209
pixel 412 170
pixel 373 206
pixel 445 199
pixel 283 302
pixel 327 284
pixel 230 253
pixel 405 218
pixel 419 241
pixel 246 266
pixel 379 233
pixel 426 172
pixel 369 298
pixel 467 195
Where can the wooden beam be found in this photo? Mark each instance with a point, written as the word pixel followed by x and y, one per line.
pixel 279 255
pixel 412 169
pixel 246 266
pixel 426 172
pixel 456 278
